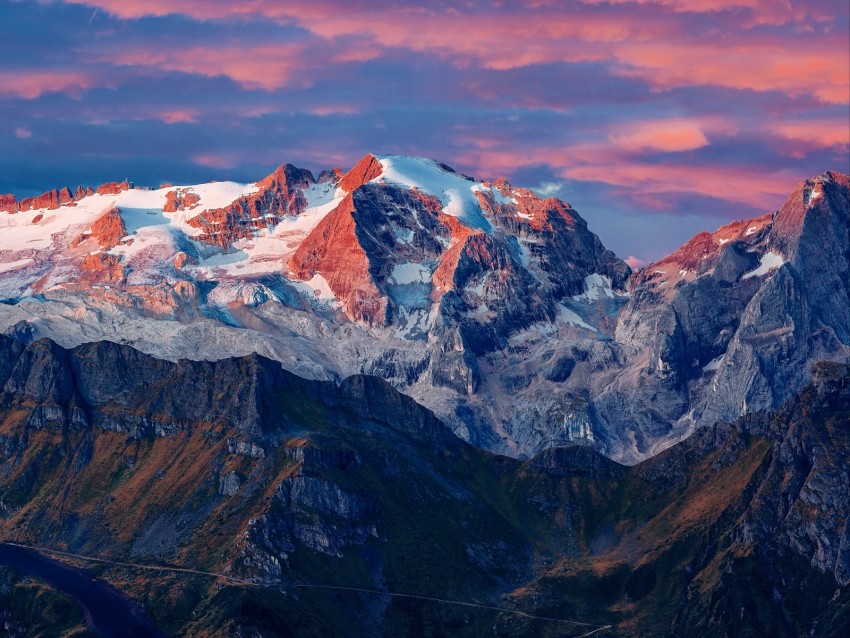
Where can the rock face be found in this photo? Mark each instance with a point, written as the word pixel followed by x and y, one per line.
pixel 240 468
pixel 400 268
pixel 8 203
pixel 496 308
pixel 732 322
pixel 279 195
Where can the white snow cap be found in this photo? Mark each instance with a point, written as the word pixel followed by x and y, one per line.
pixel 455 192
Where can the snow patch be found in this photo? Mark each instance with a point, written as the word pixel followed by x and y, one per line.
pixel 269 249
pixel 497 194
pixel 596 286
pixel 316 287
pixel 565 315
pixel 769 261
pixel 410 273
pixel 15 265
pixel 245 293
pixel 19 232
pixel 216 195
pixel 714 364
pixel 456 193
pixel 814 195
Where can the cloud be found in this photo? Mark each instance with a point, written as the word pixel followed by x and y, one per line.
pixel 751 187
pixel 23 133
pixel 32 83
pixel 661 135
pixel 796 72
pixel 654 46
pixel 267 67
pixel 216 160
pixel 661 109
pixel 817 133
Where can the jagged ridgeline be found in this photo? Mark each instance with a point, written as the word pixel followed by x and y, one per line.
pixel 497 309
pixel 278 483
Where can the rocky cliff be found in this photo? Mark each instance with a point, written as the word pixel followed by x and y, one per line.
pixel 291 483
pixel 498 309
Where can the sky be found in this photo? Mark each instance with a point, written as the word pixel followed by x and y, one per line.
pixel 655 119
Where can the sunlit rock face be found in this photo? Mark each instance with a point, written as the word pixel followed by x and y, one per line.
pixel 498 309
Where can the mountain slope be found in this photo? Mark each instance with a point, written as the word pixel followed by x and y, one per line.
pixel 497 309
pixel 400 267
pixel 741 530
pixel 739 317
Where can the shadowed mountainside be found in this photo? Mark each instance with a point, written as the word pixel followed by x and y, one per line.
pixel 239 467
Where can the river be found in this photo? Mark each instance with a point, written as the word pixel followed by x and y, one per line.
pixel 106 610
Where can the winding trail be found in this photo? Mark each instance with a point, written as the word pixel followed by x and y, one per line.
pixel 594 628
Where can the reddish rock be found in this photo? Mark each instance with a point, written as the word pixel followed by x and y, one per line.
pixel 113 188
pixel 542 211
pixel 180 199
pixel 37 218
pixel 107 230
pixel 100 268
pixel 83 192
pixel 432 204
pixel 331 176
pixel 527 209
pixel 65 195
pixel 703 250
pixel 165 299
pixel 8 203
pixel 49 200
pixel 181 259
pixel 810 195
pixel 279 196
pixel 285 178
pixel 366 170
pixel 333 251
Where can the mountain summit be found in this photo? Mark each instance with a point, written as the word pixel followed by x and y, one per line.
pixel 498 309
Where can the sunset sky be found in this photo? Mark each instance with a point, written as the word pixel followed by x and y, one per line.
pixel 654 118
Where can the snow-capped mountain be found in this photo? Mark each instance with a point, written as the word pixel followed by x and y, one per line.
pixel 496 308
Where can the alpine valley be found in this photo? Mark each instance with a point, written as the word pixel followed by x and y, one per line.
pixel 399 401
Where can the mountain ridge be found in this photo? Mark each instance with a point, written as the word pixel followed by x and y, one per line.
pixel 741 528
pixel 498 309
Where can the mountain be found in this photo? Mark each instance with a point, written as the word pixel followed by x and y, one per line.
pixel 497 309
pixel 304 486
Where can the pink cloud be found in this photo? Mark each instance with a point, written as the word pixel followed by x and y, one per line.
pixel 661 135
pixel 23 133
pixel 216 160
pixel 179 116
pixel 267 67
pixel 635 262
pixel 30 84
pixel 324 111
pixel 759 67
pixel 652 185
pixel 818 133
pixel 754 12
pixel 752 187
pixel 652 46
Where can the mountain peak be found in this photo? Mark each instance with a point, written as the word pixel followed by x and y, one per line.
pixel 367 169
pixel 829 189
